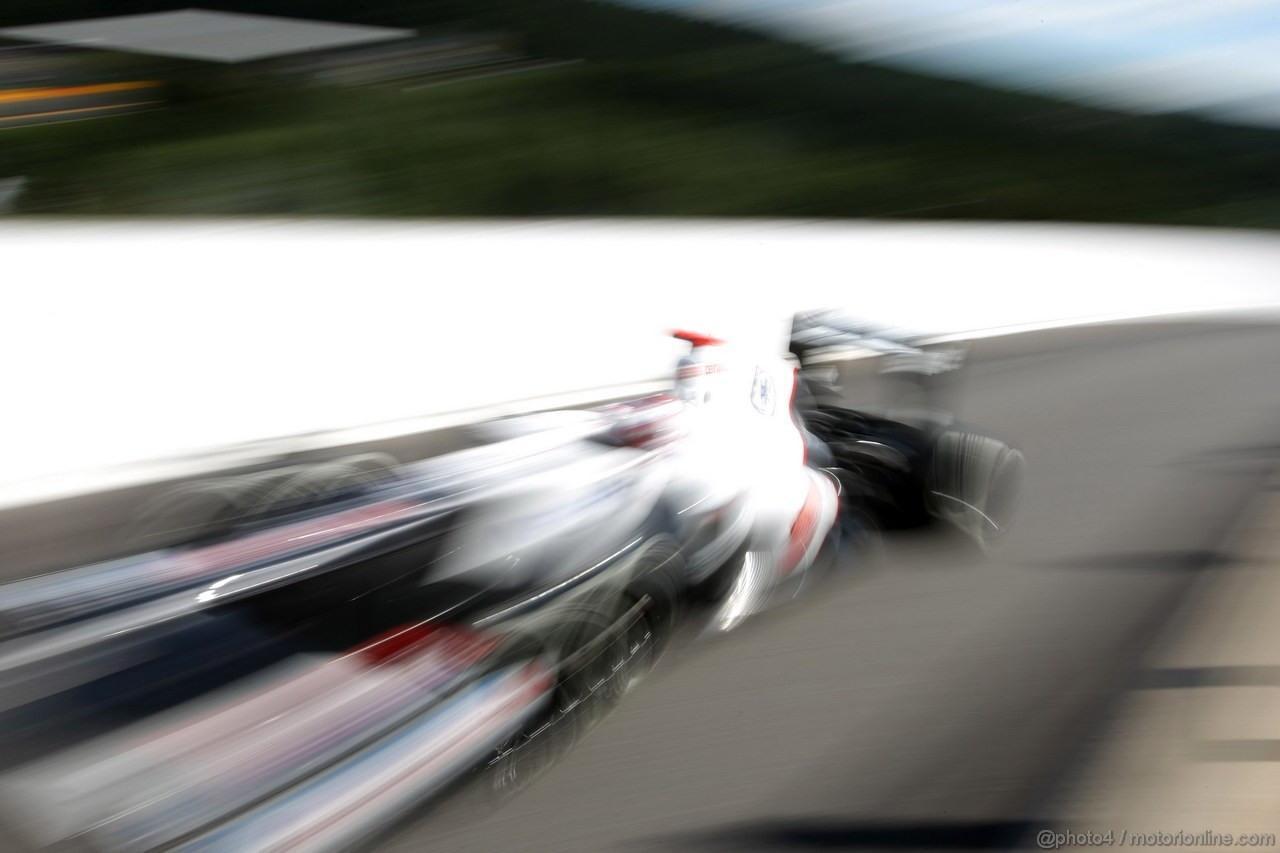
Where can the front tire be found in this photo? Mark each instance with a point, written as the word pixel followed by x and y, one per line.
pixel 603 657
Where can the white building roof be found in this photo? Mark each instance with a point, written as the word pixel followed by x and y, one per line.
pixel 199 34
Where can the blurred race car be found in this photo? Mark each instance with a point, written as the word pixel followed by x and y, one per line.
pixel 320 658
pixel 322 647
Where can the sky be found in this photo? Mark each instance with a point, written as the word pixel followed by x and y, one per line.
pixel 1220 57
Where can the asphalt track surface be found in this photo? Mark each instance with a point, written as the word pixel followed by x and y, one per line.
pixel 938 697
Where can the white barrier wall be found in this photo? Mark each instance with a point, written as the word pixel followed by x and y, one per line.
pixel 132 340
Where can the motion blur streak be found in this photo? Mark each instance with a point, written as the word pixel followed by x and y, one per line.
pixel 16 95
pixel 1072 110
pixel 164 778
pixel 335 517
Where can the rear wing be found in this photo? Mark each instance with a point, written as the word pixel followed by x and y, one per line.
pixel 815 334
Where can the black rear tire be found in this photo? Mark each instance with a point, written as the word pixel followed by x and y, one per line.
pixel 975 481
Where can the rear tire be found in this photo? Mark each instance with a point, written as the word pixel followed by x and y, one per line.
pixel 974 482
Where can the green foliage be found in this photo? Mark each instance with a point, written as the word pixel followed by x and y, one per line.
pixel 665 117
